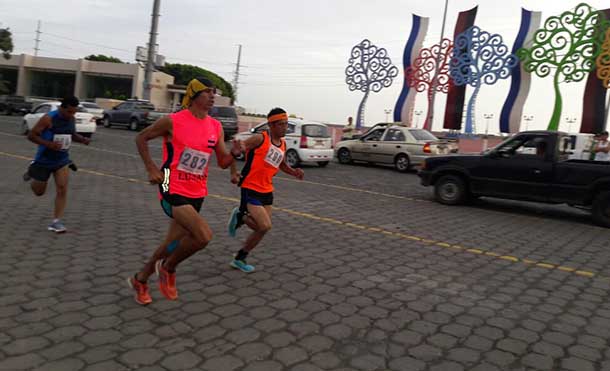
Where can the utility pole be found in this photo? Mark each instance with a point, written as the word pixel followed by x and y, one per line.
pixel 36 49
pixel 152 44
pixel 236 77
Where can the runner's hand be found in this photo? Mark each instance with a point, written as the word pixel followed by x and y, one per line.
pixel 235 178
pixel 155 176
pixel 55 146
pixel 299 174
pixel 237 148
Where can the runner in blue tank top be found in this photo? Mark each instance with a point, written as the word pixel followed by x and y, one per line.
pixel 54 134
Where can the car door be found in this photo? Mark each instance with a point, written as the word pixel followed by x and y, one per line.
pixel 392 143
pixel 520 168
pixel 365 148
pixel 37 114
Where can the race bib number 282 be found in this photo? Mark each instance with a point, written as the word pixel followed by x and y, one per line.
pixel 193 161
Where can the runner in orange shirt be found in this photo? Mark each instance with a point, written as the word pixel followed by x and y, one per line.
pixel 265 156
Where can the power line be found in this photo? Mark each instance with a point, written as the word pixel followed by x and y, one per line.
pixel 86 42
pixel 37 39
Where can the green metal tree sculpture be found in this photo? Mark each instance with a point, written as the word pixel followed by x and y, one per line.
pixel 567 44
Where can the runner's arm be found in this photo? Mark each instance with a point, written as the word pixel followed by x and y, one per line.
pixel 251 143
pixel 297 173
pixel 161 128
pixel 80 139
pixel 35 134
pixel 223 157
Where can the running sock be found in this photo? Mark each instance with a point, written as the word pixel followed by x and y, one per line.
pixel 241 255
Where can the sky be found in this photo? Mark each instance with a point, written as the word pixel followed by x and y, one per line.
pixel 294 53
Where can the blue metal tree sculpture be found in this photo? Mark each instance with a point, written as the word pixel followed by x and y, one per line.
pixel 479 58
pixel 369 69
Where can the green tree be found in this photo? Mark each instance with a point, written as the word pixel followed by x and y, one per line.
pixel 103 58
pixel 6 46
pixel 183 73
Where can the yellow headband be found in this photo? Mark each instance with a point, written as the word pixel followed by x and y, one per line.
pixel 278 117
pixel 194 87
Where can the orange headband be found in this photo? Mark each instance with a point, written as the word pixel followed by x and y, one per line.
pixel 278 117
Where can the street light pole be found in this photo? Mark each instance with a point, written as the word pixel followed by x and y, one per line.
pixel 487 116
pixel 387 113
pixel 527 119
pixel 417 113
pixel 570 121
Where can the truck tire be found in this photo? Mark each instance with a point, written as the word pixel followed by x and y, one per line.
pixel 106 122
pixel 134 124
pixel 601 209
pixel 451 190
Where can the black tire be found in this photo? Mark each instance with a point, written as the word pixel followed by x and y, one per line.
pixel 451 190
pixel 24 128
pixel 402 163
pixel 322 163
pixel 292 158
pixel 134 125
pixel 106 122
pixel 344 156
pixel 601 209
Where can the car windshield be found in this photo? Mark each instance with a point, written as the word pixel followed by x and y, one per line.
pixel 223 112
pixel 421 134
pixel 317 131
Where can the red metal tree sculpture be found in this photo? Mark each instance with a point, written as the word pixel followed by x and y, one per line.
pixel 430 72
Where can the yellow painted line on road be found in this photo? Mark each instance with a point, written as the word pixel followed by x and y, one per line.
pixel 445 245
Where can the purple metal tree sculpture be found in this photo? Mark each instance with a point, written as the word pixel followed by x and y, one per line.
pixel 479 58
pixel 369 69
pixel 430 72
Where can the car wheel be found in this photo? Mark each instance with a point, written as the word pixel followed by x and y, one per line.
pixel 344 156
pixel 107 122
pixel 24 128
pixel 450 190
pixel 601 209
pixel 292 158
pixel 402 163
pixel 322 163
pixel 133 125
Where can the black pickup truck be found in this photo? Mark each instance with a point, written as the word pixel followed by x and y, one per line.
pixel 530 166
pixel 132 113
pixel 10 104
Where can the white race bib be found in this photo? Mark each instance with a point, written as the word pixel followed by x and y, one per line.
pixel 64 139
pixel 274 156
pixel 193 161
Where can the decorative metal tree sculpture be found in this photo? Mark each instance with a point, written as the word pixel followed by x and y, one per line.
pixel 603 61
pixel 568 43
pixel 430 72
pixel 479 58
pixel 369 69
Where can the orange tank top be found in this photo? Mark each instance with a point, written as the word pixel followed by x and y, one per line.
pixel 262 163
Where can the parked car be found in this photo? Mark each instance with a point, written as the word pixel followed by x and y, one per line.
pixel 391 143
pixel 132 113
pixel 227 117
pixel 306 141
pixel 513 171
pixel 85 122
pixel 95 110
pixel 10 104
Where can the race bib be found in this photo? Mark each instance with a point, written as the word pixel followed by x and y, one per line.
pixel 274 156
pixel 64 139
pixel 193 161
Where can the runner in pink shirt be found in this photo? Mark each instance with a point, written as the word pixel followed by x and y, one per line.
pixel 190 137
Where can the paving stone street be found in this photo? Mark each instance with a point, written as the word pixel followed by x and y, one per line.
pixel 361 271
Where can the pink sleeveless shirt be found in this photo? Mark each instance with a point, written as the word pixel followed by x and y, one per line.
pixel 186 156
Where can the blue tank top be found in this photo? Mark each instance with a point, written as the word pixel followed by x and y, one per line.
pixel 59 126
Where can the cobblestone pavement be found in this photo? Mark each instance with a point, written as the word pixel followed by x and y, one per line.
pixel 362 271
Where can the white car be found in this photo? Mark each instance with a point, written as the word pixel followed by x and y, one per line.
pixel 85 122
pixel 94 109
pixel 306 141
